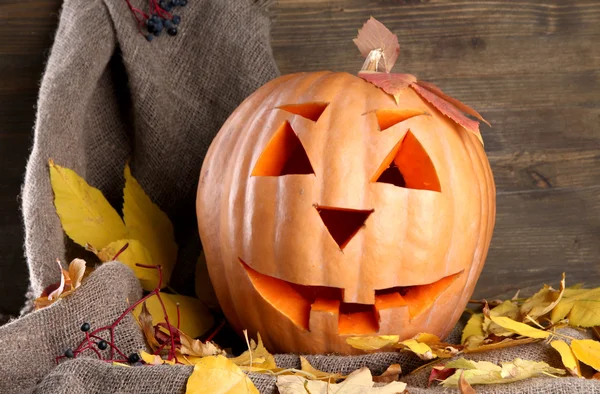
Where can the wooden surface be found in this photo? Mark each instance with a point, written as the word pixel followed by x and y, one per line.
pixel 532 68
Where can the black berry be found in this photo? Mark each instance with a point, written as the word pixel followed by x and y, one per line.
pixel 183 3
pixel 176 19
pixel 85 327
pixel 155 18
pixel 172 31
pixel 102 345
pixel 69 353
pixel 149 37
pixel 168 24
pixel 158 28
pixel 133 358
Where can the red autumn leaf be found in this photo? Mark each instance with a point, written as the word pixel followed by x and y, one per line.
pixel 440 374
pixel 449 110
pixel 374 35
pixel 459 105
pixel 391 83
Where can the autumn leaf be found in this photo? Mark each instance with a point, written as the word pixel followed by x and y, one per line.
pixel 568 357
pixel 391 374
pixel 358 382
pixel 218 375
pixel 391 83
pixel 59 290
pixel 196 319
pixel 464 386
pixel 374 35
pixel 448 109
pixel 507 309
pixel 204 288
pixel 85 215
pixel 316 374
pixel 144 319
pixel 473 327
pixel 543 301
pixel 197 348
pixel 135 253
pixel 146 223
pixel 420 349
pixel 487 344
pixel 519 328
pixel 76 272
pixel 580 306
pixel 151 359
pixel 587 351
pixel 439 373
pixel 372 342
pixel 256 358
pixel 483 372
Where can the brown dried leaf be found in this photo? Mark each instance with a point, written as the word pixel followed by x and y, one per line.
pixel 391 374
pixel 486 345
pixel 391 83
pixel 374 35
pixel 463 386
pixel 76 272
pixel 543 301
pixel 197 348
pixel 58 291
pixel 145 322
pixel 448 109
pixel 459 105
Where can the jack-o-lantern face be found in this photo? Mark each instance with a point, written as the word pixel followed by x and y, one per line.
pixel 326 210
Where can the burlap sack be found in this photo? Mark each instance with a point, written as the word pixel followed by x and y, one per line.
pixel 109 96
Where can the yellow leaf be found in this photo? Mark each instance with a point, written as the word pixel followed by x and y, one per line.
pixel 507 309
pixel 420 349
pixel 218 375
pixel 567 356
pixel 581 306
pixel 257 356
pixel 483 372
pixel 373 342
pixel 196 319
pixel 519 328
pixel 476 344
pixel 473 327
pixel 587 351
pixel 318 375
pixel 204 289
pixel 151 359
pixel 85 215
pixel 358 382
pixel 135 253
pixel 543 301
pixel 149 225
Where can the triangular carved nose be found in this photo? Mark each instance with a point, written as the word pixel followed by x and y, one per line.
pixel 343 223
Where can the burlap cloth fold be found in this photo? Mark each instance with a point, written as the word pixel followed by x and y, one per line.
pixel 109 96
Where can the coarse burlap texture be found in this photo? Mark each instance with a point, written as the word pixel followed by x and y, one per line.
pixel 109 96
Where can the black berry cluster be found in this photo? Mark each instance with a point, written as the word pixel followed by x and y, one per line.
pixel 164 21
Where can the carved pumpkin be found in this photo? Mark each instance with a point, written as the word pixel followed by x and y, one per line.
pixel 328 210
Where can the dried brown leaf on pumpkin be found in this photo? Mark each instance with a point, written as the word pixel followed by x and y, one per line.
pixel 448 110
pixel 391 83
pixel 374 35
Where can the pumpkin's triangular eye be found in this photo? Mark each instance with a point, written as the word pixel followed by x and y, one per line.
pixel 311 111
pixel 284 155
pixel 408 165
pixel 387 118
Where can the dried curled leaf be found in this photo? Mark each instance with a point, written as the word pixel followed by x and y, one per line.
pixel 218 375
pixel 63 278
pixel 568 357
pixel 483 372
pixel 374 35
pixel 197 348
pixel 76 272
pixel 474 327
pixel 464 386
pixel 448 109
pixel 85 215
pixel 317 374
pixel 543 301
pixel 135 253
pixel 69 280
pixel 256 358
pixel 358 382
pixel 196 319
pixel 391 374
pixel 148 224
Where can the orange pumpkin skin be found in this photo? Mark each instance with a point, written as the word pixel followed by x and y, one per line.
pixel 410 268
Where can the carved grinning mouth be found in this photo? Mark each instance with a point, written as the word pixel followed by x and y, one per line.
pixel 309 306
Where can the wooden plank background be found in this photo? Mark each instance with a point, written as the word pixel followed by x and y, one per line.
pixel 532 68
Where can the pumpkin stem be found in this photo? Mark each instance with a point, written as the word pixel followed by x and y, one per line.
pixel 375 61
